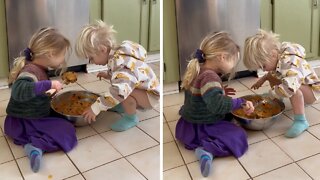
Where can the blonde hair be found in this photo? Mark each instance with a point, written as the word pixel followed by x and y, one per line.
pixel 92 37
pixel 44 42
pixel 258 48
pixel 212 46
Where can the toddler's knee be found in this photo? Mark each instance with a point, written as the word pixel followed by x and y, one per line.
pixel 298 93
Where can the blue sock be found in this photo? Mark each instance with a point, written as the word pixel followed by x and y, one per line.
pixel 126 122
pixel 118 108
pixel 35 155
pixel 299 125
pixel 205 159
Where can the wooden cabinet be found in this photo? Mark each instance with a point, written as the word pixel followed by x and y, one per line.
pixel 170 43
pixel 295 20
pixel 136 20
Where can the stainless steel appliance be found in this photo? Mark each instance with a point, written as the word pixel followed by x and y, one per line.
pixel 26 17
pixel 196 18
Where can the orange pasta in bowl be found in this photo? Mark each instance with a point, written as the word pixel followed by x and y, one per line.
pixel 72 104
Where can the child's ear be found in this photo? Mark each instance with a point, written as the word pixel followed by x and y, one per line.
pixel 222 58
pixel 50 55
pixel 274 54
pixel 104 49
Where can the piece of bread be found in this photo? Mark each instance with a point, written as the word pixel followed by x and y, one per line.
pixel 69 77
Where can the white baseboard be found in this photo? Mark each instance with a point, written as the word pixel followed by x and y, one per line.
pixel 153 58
pixel 4 83
pixel 171 88
pixel 96 68
pixel 314 63
pixel 261 73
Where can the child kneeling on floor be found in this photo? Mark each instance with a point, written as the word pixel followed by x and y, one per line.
pixel 203 125
pixel 133 83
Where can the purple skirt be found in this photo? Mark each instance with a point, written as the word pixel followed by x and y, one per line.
pixel 222 138
pixel 49 133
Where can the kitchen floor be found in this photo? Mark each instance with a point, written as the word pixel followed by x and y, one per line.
pixel 100 154
pixel 270 154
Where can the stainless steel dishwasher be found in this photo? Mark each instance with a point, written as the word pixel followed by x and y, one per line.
pixel 195 19
pixel 24 18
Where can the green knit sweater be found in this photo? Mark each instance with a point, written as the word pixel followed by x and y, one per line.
pixel 205 101
pixel 24 103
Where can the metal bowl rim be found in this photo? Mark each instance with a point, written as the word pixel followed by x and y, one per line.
pixel 70 117
pixel 262 119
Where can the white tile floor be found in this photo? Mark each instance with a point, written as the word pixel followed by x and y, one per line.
pixel 270 154
pixel 100 153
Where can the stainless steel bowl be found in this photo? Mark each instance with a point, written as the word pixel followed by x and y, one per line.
pixel 261 123
pixel 65 97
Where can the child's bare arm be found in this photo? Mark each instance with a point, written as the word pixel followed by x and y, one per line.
pixel 104 75
pixel 260 82
pixel 273 81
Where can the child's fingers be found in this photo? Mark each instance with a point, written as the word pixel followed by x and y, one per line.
pixel 230 90
pixel 250 107
pixel 93 118
pixel 86 116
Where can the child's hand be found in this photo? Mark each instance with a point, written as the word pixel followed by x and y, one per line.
pixel 259 83
pixel 56 85
pixel 89 116
pixel 104 75
pixel 273 81
pixel 229 91
pixel 248 107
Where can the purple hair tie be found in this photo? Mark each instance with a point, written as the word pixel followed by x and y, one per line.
pixel 200 56
pixel 28 54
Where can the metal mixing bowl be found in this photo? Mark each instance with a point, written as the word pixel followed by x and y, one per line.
pixel 261 123
pixel 65 97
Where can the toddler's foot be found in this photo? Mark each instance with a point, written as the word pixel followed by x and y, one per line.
pixel 35 156
pixel 126 122
pixel 205 159
pixel 118 108
pixel 300 124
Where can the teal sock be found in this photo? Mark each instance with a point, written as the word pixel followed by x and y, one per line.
pixel 35 156
pixel 299 125
pixel 205 159
pixel 118 108
pixel 126 122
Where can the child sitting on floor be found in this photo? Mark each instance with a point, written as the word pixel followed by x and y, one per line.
pixel 28 121
pixel 203 125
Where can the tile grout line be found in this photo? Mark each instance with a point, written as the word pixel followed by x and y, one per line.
pixel 184 161
pixel 304 169
pixel 108 141
pixel 294 162
pixel 123 157
pixel 179 167
pixel 99 165
pixel 74 176
pixel 128 154
pixel 14 159
pixel 250 177
pixel 148 134
pixel 274 169
pixel 74 166
pixel 135 168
